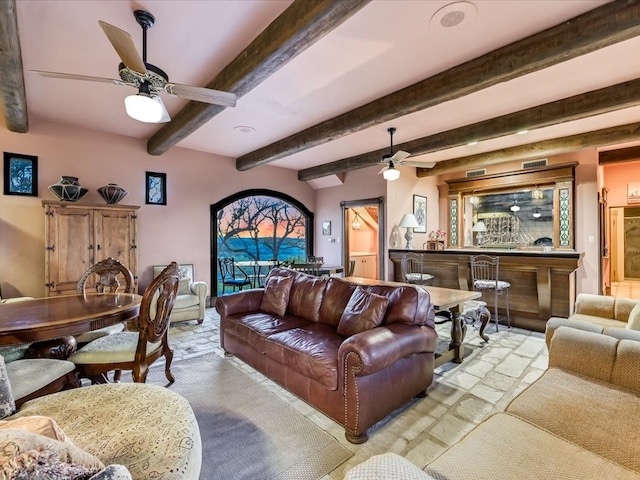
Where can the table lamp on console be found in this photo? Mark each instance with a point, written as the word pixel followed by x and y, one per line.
pixel 409 222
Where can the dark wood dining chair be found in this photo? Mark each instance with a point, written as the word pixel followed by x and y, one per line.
pixel 232 276
pixel 135 351
pixel 107 276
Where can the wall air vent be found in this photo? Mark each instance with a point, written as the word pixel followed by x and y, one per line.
pixel 535 163
pixel 476 173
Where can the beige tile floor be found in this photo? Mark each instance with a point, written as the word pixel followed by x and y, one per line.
pixel 460 397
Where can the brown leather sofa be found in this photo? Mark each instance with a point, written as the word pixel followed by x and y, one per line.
pixel 354 353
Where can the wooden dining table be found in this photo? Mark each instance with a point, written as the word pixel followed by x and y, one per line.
pixel 54 320
pixel 443 299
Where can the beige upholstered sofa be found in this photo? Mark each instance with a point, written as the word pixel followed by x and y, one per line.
pixel 597 313
pixel 579 420
pixel 192 296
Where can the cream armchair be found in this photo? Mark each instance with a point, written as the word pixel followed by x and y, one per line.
pixel 192 296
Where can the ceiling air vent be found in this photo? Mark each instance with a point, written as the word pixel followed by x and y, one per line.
pixel 476 173
pixel 534 164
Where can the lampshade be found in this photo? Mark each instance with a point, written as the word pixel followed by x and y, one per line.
pixel 514 208
pixel 146 108
pixel 408 221
pixel 391 173
pixel 479 227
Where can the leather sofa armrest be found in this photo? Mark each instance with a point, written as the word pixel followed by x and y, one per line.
pixel 239 302
pixel 379 347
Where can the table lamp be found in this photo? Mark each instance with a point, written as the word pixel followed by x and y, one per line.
pixel 479 227
pixel 409 222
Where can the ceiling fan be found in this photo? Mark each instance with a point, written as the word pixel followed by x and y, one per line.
pixel 390 172
pixel 134 71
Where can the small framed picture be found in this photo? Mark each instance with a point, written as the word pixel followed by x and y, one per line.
pixel 633 192
pixel 420 212
pixel 20 174
pixel 326 227
pixel 156 188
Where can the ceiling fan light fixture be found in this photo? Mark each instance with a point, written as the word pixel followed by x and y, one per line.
pixel 391 173
pixel 145 108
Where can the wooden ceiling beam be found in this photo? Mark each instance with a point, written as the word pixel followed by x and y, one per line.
pixel 629 154
pixel 12 91
pixel 532 151
pixel 603 26
pixel 302 24
pixel 596 102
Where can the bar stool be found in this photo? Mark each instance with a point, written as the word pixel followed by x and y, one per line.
pixel 485 277
pixel 411 269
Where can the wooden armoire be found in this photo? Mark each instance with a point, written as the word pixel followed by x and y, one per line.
pixel 77 236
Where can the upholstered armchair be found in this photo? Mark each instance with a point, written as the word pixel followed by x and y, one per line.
pixel 16 299
pixel 192 296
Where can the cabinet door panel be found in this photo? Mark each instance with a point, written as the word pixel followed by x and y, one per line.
pixel 69 249
pixel 115 232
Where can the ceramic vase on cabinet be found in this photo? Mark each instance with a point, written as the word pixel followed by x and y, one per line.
pixel 112 193
pixel 68 189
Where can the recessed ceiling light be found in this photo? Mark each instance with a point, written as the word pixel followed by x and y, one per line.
pixel 522 132
pixel 244 129
pixel 452 15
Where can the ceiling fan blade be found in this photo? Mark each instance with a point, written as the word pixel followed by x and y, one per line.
pixel 399 156
pixel 201 94
pixel 383 169
pixel 72 76
pixel 125 47
pixel 419 164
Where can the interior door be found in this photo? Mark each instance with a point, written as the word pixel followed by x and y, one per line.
pixel 363 234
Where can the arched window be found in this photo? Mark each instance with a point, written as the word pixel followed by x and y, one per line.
pixel 259 226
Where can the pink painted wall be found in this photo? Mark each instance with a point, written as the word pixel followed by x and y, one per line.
pixel 616 178
pixel 179 231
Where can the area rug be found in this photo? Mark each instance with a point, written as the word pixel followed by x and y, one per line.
pixel 247 431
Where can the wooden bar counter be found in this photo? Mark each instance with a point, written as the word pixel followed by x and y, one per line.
pixel 542 283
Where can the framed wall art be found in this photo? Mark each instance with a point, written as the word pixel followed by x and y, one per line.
pixel 633 192
pixel 326 227
pixel 420 212
pixel 20 174
pixel 156 188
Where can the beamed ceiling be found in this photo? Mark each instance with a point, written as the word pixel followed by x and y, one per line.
pixel 320 81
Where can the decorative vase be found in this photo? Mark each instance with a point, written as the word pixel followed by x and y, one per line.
pixel 112 193
pixel 68 189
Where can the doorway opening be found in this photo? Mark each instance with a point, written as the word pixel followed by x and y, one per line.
pixel 624 268
pixel 363 234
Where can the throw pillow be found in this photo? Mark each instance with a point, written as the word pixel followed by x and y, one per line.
pixel 276 295
pixel 633 323
pixel 41 425
pixel 16 441
pixel 364 311
pixel 7 403
pixel 184 286
pixel 45 465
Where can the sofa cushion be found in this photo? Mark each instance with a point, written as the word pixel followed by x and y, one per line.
pixel 184 286
pixel 494 450
pixel 633 321
pixel 39 424
pixel 335 299
pixel 276 295
pixel 408 305
pixel 581 411
pixel 253 328
pixel 364 311
pixel 311 350
pixel 16 441
pixel 306 296
pixel 604 322
pixel 185 301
